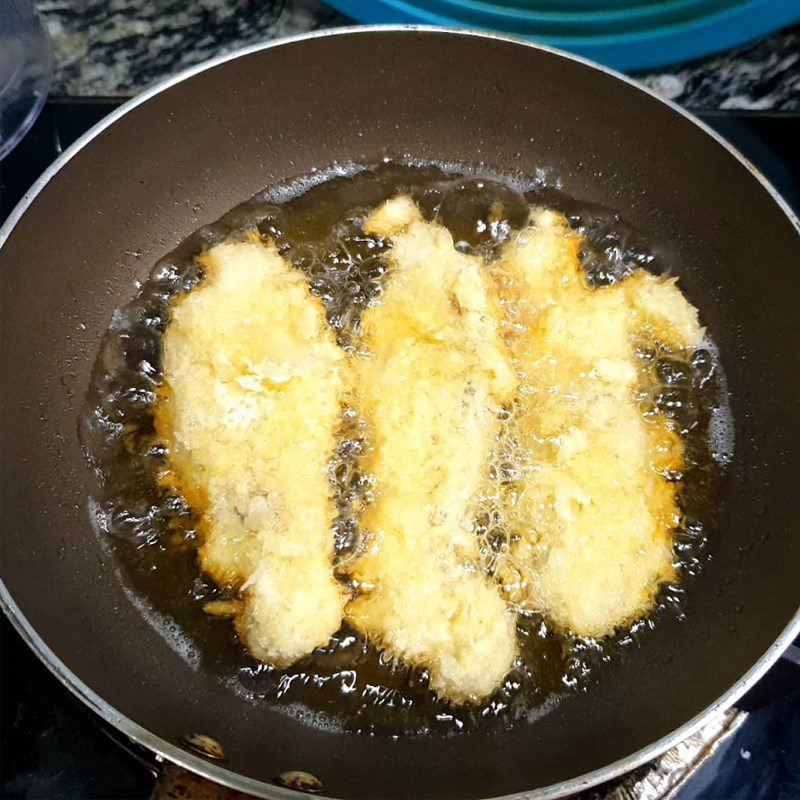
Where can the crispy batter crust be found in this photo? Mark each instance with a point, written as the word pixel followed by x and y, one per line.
pixel 595 513
pixel 431 391
pixel 250 408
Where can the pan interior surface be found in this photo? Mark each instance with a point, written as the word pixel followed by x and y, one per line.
pixel 205 144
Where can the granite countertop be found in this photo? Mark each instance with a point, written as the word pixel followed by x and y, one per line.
pixel 119 47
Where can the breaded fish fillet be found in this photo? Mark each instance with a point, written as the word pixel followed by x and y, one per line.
pixel 431 390
pixel 250 408
pixel 596 511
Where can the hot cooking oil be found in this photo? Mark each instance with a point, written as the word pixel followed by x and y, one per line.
pixel 316 224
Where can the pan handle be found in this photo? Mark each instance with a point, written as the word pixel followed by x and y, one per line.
pixel 781 680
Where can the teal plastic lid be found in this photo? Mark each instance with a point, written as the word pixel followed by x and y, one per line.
pixel 623 34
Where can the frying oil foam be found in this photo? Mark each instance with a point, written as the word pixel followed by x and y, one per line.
pixel 345 269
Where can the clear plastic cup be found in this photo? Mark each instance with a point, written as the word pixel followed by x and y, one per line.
pixel 26 68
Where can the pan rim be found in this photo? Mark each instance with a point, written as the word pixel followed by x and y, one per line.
pixel 164 749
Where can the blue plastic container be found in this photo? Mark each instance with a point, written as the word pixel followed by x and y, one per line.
pixel 623 34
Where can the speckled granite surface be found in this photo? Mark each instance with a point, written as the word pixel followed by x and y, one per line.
pixel 119 47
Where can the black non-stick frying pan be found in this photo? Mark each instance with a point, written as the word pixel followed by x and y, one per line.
pixel 183 154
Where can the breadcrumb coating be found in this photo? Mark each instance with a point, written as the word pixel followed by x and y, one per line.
pixel 430 390
pixel 594 517
pixel 250 409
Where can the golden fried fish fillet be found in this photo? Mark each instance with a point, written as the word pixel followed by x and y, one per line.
pixel 595 512
pixel 251 405
pixel 431 390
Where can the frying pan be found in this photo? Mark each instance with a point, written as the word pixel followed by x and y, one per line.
pixel 182 154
